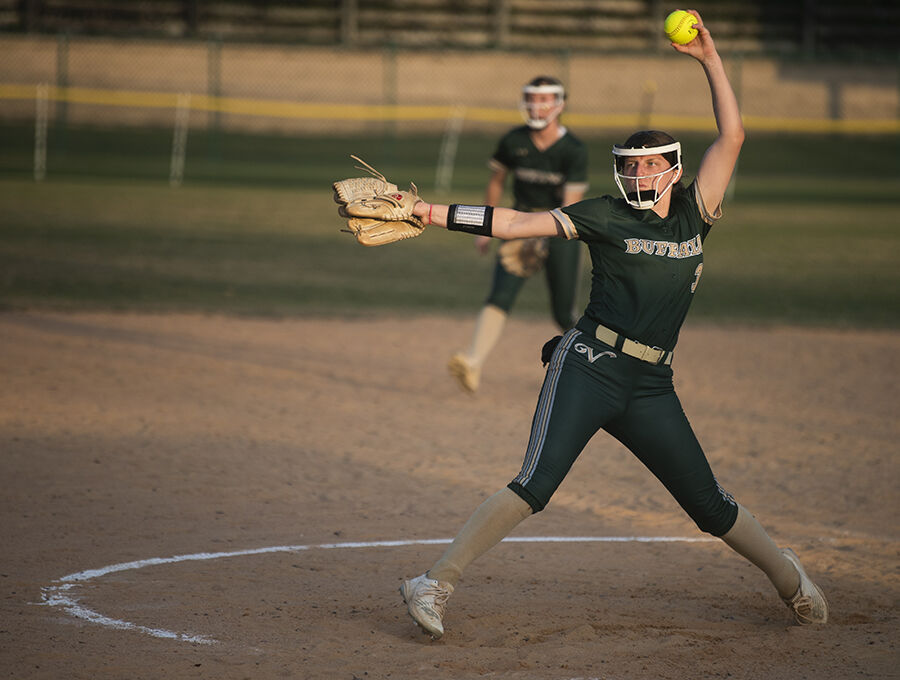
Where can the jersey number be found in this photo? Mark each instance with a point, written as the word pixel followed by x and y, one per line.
pixel 697 272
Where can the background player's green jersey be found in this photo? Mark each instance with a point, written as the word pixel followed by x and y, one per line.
pixel 645 268
pixel 539 176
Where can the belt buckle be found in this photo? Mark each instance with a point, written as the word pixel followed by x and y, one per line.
pixel 660 353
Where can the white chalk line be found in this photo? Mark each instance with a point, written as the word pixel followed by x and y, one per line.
pixel 62 596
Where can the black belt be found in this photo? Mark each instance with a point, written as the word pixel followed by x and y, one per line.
pixel 652 355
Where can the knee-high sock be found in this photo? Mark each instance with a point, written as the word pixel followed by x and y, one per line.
pixel 488 525
pixel 748 538
pixel 488 327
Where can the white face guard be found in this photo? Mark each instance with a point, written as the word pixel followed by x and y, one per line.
pixel 532 111
pixel 629 184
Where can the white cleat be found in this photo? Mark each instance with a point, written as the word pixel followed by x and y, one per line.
pixel 425 599
pixel 808 604
pixel 468 375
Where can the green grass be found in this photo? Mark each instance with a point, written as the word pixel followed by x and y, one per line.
pixel 254 231
pixel 809 167
pixel 814 264
pixel 78 245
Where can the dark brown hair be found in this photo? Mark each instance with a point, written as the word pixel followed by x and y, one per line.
pixel 548 80
pixel 644 139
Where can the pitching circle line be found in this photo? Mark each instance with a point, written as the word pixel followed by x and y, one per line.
pixel 65 597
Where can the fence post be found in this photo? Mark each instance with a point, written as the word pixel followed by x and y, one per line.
pixel 62 78
pixel 656 37
pixel 501 22
pixel 214 80
pixel 179 139
pixel 737 84
pixel 808 28
pixel 30 9
pixel 41 106
pixel 565 62
pixel 214 90
pixel 443 176
pixel 648 102
pixel 349 22
pixel 191 16
pixel 390 86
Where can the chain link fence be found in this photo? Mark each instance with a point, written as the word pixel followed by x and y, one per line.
pixel 301 89
pixel 178 68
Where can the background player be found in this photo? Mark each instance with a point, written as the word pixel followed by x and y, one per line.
pixel 548 165
pixel 612 371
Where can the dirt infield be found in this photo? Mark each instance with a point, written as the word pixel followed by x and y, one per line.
pixel 126 438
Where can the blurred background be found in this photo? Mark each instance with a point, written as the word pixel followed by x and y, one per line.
pixel 178 154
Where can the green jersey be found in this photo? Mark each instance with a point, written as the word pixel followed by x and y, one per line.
pixel 539 177
pixel 645 268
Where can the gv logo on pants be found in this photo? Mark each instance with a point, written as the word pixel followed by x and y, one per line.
pixel 581 348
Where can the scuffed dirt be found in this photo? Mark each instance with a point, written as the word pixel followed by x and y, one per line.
pixel 129 437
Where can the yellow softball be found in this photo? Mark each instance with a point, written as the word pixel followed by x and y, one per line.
pixel 679 27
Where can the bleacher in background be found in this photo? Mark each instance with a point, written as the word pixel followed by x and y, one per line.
pixel 864 30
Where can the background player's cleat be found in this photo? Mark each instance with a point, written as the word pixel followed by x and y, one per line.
pixel 808 604
pixel 467 374
pixel 425 599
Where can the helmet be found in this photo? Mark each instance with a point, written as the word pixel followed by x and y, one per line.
pixel 647 143
pixel 531 111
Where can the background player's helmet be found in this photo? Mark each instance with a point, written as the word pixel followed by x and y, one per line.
pixel 646 143
pixel 531 112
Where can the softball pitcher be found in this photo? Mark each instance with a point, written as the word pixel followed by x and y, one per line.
pixel 612 371
pixel 549 169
